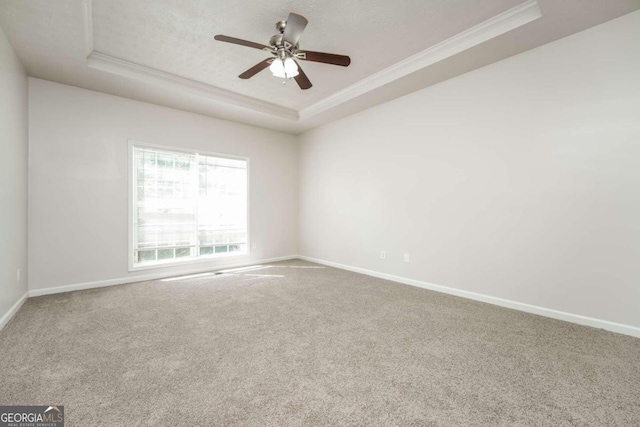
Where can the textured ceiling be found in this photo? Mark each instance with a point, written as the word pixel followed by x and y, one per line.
pixel 54 38
pixel 177 37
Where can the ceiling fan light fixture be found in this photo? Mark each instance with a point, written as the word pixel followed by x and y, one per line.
pixel 284 46
pixel 284 68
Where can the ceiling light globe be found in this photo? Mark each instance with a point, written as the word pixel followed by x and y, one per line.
pixel 290 67
pixel 284 69
pixel 277 68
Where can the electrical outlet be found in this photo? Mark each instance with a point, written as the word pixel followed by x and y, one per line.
pixel 254 245
pixel 383 255
pixel 18 275
pixel 406 257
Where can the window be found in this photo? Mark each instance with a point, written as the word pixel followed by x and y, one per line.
pixel 186 206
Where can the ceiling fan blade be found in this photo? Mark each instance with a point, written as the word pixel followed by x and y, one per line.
pixel 294 28
pixel 241 42
pixel 256 69
pixel 326 58
pixel 302 79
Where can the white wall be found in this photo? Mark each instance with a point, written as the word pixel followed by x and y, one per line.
pixel 520 180
pixel 14 139
pixel 78 229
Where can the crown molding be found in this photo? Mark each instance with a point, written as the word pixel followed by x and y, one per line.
pixel 111 64
pixel 498 25
pixel 487 30
pixel 87 14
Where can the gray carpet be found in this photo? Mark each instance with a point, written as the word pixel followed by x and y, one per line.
pixel 297 344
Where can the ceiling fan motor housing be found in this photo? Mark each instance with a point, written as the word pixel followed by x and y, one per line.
pixel 276 40
pixel 278 43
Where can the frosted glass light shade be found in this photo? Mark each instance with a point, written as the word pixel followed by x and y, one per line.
pixel 284 69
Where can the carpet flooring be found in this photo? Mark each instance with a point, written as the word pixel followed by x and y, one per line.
pixel 298 344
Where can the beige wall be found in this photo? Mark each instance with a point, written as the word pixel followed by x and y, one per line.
pixel 520 180
pixel 78 228
pixel 14 134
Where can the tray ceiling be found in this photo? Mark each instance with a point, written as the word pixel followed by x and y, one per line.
pixel 163 51
pixel 178 39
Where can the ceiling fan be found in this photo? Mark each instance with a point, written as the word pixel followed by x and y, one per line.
pixel 284 46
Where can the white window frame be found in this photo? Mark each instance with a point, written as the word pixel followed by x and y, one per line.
pixel 130 211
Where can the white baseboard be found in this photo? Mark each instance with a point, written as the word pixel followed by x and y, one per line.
pixel 528 308
pixel 145 277
pixel 13 310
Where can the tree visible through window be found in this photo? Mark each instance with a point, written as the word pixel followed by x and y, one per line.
pixel 187 205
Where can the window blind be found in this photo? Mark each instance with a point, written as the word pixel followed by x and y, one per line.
pixel 187 205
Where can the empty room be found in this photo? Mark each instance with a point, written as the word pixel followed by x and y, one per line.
pixel 359 213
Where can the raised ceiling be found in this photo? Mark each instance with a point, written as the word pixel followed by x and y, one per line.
pixel 163 51
pixel 170 37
